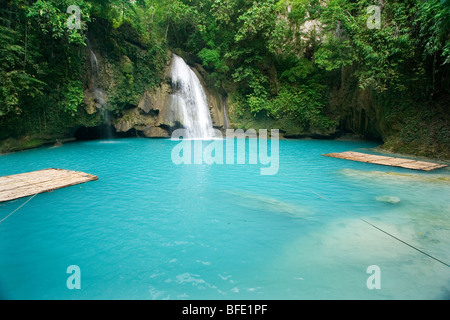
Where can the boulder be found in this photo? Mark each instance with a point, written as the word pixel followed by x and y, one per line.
pixel 155 132
pixel 154 100
pixel 133 118
pixel 388 199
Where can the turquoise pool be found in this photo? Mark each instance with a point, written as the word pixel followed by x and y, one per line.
pixel 150 229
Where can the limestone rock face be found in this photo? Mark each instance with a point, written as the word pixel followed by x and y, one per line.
pixel 133 118
pixel 146 102
pixel 145 117
pixel 154 101
pixel 155 132
pixel 89 101
pixel 169 114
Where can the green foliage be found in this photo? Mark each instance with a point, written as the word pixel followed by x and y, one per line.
pixel 380 54
pixel 257 21
pixel 298 72
pixel 51 17
pixel 433 19
pixel 279 59
pixel 73 97
pixel 18 80
pixel 301 104
pixel 211 58
pixel 334 54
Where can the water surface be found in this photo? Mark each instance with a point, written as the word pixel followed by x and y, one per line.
pixel 150 229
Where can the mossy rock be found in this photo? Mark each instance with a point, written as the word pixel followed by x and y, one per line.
pixel 127 65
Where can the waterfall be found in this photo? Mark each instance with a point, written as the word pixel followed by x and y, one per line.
pixel 226 122
pixel 98 92
pixel 94 61
pixel 189 101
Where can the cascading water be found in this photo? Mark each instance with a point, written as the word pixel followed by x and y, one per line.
pixel 226 122
pixel 189 100
pixel 98 92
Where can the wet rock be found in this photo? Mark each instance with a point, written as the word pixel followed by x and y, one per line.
pixel 388 199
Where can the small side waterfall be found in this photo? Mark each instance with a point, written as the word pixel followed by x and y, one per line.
pixel 226 121
pixel 189 101
pixel 98 92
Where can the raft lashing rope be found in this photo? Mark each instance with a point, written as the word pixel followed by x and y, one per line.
pixel 23 204
pixel 380 229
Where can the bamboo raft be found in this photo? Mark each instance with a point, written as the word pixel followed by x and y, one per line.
pixel 387 161
pixel 31 183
